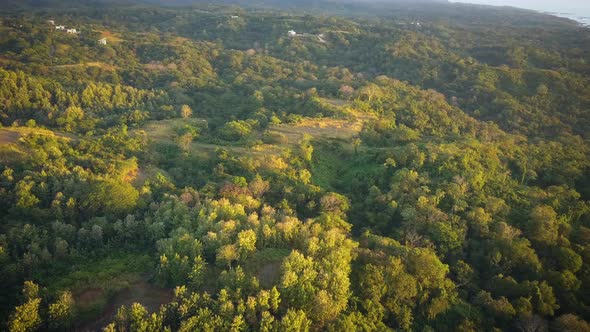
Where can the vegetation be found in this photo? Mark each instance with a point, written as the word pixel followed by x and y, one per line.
pixel 421 169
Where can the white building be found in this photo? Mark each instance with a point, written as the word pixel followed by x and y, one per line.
pixel 234 16
pixel 102 41
pixel 60 27
pixel 72 31
pixel 52 22
pixel 292 33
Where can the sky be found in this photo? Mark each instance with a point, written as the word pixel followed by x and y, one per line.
pixel 543 5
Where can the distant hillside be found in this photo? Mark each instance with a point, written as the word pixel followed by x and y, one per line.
pixel 302 4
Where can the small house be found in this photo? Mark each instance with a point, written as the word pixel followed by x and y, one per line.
pixel 72 31
pixel 292 33
pixel 102 41
pixel 234 16
pixel 60 27
pixel 52 22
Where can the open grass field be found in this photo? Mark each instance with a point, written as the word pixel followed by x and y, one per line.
pixel 112 37
pixel 96 64
pixel 344 129
pixel 10 135
pixel 140 291
pixel 165 131
pixel 319 128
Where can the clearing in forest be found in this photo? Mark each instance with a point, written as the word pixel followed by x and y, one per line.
pixel 344 129
pixel 149 295
pixel 97 64
pixel 10 135
pixel 112 38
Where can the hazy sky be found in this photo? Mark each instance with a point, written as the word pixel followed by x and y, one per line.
pixel 536 4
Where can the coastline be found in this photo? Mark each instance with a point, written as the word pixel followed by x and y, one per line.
pixel 582 18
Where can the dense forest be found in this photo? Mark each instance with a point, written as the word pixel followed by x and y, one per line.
pixel 333 167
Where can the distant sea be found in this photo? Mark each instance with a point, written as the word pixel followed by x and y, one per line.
pixel 582 16
pixel 561 8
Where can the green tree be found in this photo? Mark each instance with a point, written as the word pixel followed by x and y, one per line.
pixel 297 281
pixel 543 226
pixel 26 317
pixel 295 321
pixel 70 119
pixel 62 312
pixel 246 242
pixel 235 130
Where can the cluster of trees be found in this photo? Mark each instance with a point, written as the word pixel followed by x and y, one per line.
pixel 462 203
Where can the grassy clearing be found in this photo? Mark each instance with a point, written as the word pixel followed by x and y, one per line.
pixel 9 153
pixel 326 128
pixel 149 295
pixel 266 265
pixel 112 37
pixel 10 135
pixel 164 131
pixel 10 149
pixel 95 284
pixel 336 102
pixel 97 64
pixel 344 129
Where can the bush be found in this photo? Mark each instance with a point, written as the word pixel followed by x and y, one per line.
pixel 235 130
pixel 274 137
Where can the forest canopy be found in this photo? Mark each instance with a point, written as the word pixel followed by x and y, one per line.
pixel 254 167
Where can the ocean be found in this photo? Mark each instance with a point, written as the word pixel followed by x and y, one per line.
pixel 582 16
pixel 577 10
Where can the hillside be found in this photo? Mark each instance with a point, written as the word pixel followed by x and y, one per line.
pixel 273 167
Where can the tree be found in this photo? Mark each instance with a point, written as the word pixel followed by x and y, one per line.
pixel 570 323
pixel 306 148
pixel 356 143
pixel 532 323
pixel 185 112
pixel 111 196
pixel 197 272
pixel 334 203
pixel 24 196
pixel 62 312
pixel 274 300
pixel 543 225
pixel 258 186
pixel 235 130
pixel 297 281
pixel 30 290
pixel 184 141
pixel 70 118
pixel 267 322
pixel 295 321
pixel 246 242
pixel 226 255
pixel 26 317
pixel 346 91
